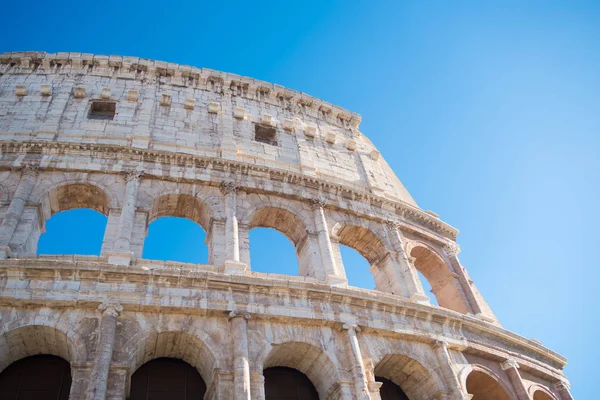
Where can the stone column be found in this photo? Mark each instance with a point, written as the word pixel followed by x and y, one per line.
pixel 15 210
pixel 358 367
pixel 232 264
pixel 104 350
pixel 563 389
pixel 241 365
pixel 512 370
pixel 478 305
pixel 407 272
pixel 257 383
pixel 122 254
pixel 334 274
pixel 450 379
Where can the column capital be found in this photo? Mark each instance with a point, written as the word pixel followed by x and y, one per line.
pixel 351 328
pixel 391 224
pixel 235 314
pixel 562 385
pixel 229 187
pixel 31 169
pixel 110 308
pixel 441 343
pixel 133 175
pixel 508 364
pixel 451 249
pixel 315 203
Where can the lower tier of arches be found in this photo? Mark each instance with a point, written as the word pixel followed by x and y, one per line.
pixel 60 353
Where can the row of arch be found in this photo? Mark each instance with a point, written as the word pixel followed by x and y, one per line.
pixel 185 369
pixel 368 238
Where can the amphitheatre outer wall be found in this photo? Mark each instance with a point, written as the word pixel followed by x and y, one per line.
pixel 137 140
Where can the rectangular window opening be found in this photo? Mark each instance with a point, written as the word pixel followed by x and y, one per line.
pixel 102 110
pixel 265 134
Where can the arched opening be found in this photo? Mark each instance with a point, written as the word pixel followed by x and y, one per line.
pixel 36 377
pixel 176 239
pixel 270 251
pixel 484 387
pixel 389 390
pixel 282 383
pixel 195 349
pixel 427 289
pixel 166 379
pixel 413 379
pixel 76 217
pixel 444 283
pixel 374 251
pixel 357 268
pixel 177 226
pixel 541 395
pixel 77 231
pixel 307 359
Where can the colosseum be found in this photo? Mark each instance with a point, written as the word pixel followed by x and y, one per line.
pixel 136 140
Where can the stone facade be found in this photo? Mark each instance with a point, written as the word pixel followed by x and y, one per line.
pixel 137 140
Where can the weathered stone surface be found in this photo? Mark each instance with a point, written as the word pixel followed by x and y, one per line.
pixel 181 143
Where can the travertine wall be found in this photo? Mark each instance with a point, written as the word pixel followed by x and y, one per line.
pixel 182 144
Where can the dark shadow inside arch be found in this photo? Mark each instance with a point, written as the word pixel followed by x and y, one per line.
pixel 357 268
pixel 389 390
pixel 166 379
pixel 176 239
pixel 282 383
pixel 75 231
pixel 36 377
pixel 272 252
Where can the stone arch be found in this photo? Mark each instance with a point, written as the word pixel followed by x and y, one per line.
pixel 49 183
pixel 478 380
pixel 196 348
pixel 151 190
pixel 362 239
pixel 40 335
pixel 309 359
pixel 182 206
pixel 282 220
pixel 292 225
pixel 444 282
pixel 417 381
pixel 372 243
pixel 538 392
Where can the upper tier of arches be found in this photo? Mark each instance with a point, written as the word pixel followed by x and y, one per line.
pixel 316 230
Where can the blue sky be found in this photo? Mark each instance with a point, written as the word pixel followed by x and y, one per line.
pixel 489 112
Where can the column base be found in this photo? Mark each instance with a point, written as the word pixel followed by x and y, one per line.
pixel 337 281
pixel 120 257
pixel 420 299
pixel 232 267
pixel 5 252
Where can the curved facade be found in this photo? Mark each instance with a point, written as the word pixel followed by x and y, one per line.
pixel 137 140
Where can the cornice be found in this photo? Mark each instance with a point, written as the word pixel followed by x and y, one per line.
pixel 163 73
pixel 405 212
pixel 189 276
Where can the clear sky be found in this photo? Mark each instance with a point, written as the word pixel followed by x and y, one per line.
pixel 488 111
